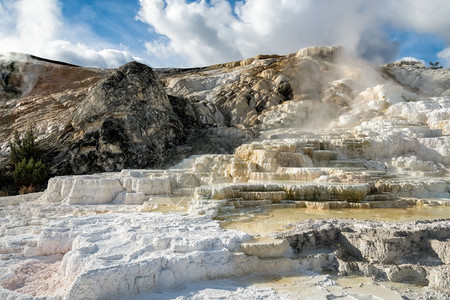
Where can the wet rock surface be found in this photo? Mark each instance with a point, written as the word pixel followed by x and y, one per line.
pixel 111 251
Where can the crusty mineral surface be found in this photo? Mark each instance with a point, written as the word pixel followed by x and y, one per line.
pixel 401 252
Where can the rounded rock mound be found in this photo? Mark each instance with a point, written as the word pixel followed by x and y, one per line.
pixel 126 121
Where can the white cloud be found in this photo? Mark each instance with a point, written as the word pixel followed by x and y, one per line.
pixel 444 56
pixel 82 54
pixel 37 27
pixel 195 30
pixel 422 16
pixel 206 32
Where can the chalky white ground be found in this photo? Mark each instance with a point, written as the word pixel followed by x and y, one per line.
pixel 119 254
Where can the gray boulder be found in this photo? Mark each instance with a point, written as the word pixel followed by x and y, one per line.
pixel 126 121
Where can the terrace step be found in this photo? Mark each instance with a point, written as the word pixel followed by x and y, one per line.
pixel 275 196
pixel 341 163
pixel 227 208
pixel 267 248
pixel 379 197
pixel 291 173
pixel 322 158
pixel 251 203
pixel 399 203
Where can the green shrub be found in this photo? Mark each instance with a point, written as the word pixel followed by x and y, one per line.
pixel 24 148
pixel 30 172
pixel 2 184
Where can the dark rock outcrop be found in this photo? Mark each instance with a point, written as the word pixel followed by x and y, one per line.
pixel 95 120
pixel 10 81
pixel 126 121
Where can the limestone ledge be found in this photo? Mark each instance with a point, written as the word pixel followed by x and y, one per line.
pixel 125 187
pixel 416 252
pixel 312 191
pixel 117 254
pixel 225 198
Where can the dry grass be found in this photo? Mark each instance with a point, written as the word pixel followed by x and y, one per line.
pixel 27 189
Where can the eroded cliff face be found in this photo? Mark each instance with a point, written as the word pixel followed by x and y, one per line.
pixel 243 92
pixel 94 120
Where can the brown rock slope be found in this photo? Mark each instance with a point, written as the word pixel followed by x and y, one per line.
pixel 46 94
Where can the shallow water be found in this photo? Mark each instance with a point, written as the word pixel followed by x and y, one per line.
pixel 288 286
pixel 317 286
pixel 274 220
pixel 174 200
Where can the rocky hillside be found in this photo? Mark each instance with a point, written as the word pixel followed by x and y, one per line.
pixel 92 120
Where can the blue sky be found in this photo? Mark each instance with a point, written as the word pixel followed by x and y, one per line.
pixel 183 33
pixel 113 21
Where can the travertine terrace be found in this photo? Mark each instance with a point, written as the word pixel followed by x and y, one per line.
pixel 315 129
